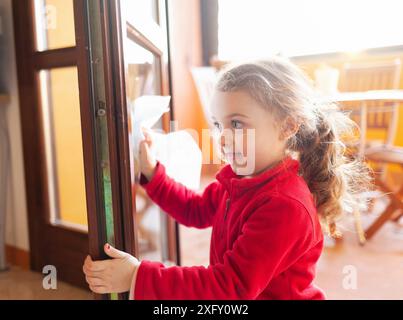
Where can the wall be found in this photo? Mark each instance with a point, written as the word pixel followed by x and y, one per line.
pixel 185 47
pixel 186 52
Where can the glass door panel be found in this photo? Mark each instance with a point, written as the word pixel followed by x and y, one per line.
pixel 54 24
pixel 143 78
pixel 61 121
pixel 142 17
pixel 141 10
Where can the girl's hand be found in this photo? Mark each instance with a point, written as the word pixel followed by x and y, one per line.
pixel 116 275
pixel 147 160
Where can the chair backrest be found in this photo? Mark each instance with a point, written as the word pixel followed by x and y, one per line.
pixel 370 76
pixel 381 116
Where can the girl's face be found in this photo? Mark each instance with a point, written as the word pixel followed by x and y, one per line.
pixel 249 135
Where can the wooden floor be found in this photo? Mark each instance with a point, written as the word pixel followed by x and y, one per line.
pixel 18 284
pixel 378 264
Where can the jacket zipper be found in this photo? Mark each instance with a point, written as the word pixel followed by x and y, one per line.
pixel 227 203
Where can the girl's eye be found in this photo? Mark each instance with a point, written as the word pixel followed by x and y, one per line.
pixel 236 124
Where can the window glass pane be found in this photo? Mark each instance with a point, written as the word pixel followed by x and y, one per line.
pixel 143 78
pixel 54 24
pixel 63 143
pixel 143 17
pixel 140 11
pixel 257 29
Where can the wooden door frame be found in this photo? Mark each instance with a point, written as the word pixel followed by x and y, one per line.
pixel 116 99
pixel 41 233
pixel 124 208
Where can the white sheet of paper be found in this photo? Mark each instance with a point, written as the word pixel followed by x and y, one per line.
pixel 181 157
pixel 178 151
pixel 145 112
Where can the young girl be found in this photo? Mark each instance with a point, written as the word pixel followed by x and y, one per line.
pixel 266 236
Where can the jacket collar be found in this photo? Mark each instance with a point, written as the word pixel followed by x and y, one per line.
pixel 236 184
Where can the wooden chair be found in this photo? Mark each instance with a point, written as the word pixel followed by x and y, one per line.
pixel 394 210
pixel 376 116
pixel 380 117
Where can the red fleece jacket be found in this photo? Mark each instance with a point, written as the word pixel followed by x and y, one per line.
pixel 265 243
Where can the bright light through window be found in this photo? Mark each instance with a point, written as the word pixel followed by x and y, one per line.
pixel 258 28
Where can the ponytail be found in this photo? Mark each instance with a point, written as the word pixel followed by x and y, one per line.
pixel 334 180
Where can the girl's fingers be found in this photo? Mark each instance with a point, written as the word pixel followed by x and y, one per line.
pixel 94 281
pixel 145 130
pixel 99 289
pixel 143 144
pixel 99 265
pixel 147 136
pixel 87 260
pixel 145 147
pixel 97 274
pixel 113 252
pixel 92 266
pixel 146 133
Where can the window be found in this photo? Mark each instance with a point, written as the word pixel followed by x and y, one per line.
pixel 54 21
pixel 61 119
pixel 258 28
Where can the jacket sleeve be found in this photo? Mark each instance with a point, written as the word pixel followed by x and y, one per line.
pixel 273 237
pixel 188 207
